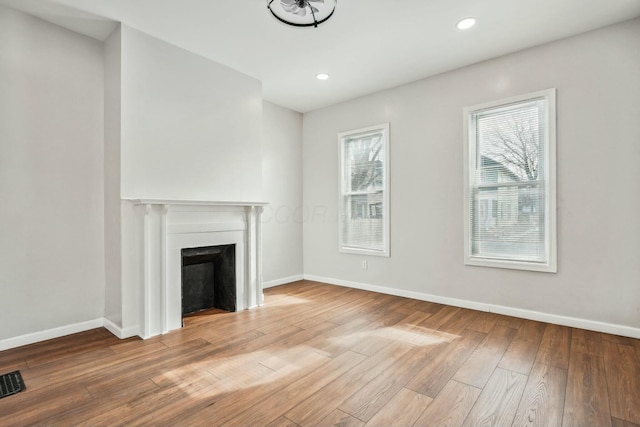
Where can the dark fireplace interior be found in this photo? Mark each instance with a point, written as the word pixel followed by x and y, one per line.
pixel 208 278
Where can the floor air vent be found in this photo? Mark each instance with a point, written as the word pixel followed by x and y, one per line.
pixel 11 383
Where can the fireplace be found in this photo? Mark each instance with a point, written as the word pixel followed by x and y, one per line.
pixel 208 278
pixel 167 230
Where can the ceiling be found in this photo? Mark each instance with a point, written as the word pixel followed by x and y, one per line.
pixel 367 46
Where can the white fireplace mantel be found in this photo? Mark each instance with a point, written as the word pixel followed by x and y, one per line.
pixel 164 228
pixel 195 203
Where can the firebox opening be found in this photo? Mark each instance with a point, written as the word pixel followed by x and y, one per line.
pixel 208 278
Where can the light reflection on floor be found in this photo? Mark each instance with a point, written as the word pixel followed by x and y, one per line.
pixel 253 369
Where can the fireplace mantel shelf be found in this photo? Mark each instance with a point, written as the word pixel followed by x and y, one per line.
pixel 193 202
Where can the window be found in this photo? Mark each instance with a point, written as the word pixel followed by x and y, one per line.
pixel 510 194
pixel 364 197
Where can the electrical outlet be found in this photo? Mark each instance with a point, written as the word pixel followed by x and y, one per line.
pixel 364 264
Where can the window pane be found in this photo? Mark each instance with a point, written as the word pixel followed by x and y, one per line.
pixel 508 222
pixel 510 146
pixel 364 157
pixel 363 221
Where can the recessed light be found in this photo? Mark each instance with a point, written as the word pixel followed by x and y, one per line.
pixel 466 23
pixel 322 76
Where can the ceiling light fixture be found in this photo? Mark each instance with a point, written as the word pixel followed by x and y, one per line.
pixel 302 13
pixel 466 23
pixel 322 76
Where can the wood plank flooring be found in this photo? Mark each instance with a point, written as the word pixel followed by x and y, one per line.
pixel 321 355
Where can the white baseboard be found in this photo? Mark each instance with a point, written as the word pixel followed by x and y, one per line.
pixel 62 331
pixel 121 333
pixel 48 334
pixel 283 281
pixel 574 322
pixel 118 331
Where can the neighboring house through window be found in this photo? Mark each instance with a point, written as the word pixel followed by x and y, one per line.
pixel 364 196
pixel 509 148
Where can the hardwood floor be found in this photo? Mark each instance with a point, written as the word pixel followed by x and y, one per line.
pixel 317 354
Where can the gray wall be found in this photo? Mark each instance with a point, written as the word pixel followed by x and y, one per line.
pixel 598 89
pixel 51 176
pixel 282 188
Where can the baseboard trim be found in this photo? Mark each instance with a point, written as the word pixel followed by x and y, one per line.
pixel 48 334
pixel 119 332
pixel 573 322
pixel 283 281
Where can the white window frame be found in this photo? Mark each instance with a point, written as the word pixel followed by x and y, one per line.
pixel 342 137
pixel 469 155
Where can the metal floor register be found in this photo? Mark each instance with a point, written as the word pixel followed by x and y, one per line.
pixel 11 383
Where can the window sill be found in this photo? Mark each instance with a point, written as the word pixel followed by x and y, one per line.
pixel 512 265
pixel 358 251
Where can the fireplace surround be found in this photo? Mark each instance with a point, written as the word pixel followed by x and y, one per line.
pixel 164 228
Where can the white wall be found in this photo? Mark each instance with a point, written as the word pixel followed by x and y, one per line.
pixel 282 188
pixel 596 75
pixel 191 128
pixel 51 176
pixel 112 219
